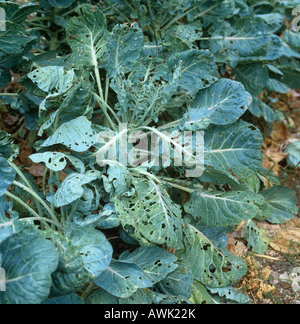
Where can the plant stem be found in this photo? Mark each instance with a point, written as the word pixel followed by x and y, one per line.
pixel 104 109
pixel 73 210
pixel 36 196
pixel 44 181
pixel 98 80
pixel 22 176
pixel 62 214
pixel 9 94
pixel 51 186
pixel 174 185
pixel 106 89
pixel 88 290
pixel 37 217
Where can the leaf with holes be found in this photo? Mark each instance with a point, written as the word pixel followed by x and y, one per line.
pixel 76 134
pixel 150 216
pixel 72 188
pixel 224 209
pixel 155 262
pixel 235 147
pixel 215 268
pixel 221 104
pixel 122 279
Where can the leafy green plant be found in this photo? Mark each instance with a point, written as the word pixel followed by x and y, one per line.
pixel 86 67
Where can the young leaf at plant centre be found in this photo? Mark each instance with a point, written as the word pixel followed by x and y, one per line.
pixel 90 30
pixel 125 46
pixel 72 188
pixel 92 95
pixel 198 69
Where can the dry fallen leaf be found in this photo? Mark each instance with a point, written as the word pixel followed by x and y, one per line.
pixel 287 241
pixel 236 247
pixel 285 237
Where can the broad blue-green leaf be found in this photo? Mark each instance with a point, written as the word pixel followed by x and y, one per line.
pixel 200 295
pixel 199 70
pixel 167 299
pixel 61 3
pixel 208 263
pixel 178 283
pixel 57 161
pixel 282 202
pixel 209 9
pixel 292 38
pixel 109 218
pixel 217 235
pixel 221 104
pixel 76 134
pixel 72 188
pixel 245 38
pixel 253 76
pixel 120 178
pixel 7 175
pixel 270 52
pixel 125 45
pixel 155 262
pixel 277 86
pixel 87 35
pixel 150 216
pixel 53 80
pixel 231 294
pixel 123 279
pixel 101 297
pixel 15 41
pixel 94 248
pixel 254 238
pixel 70 274
pixel 140 297
pixel 259 109
pixel 293 151
pixel 235 147
pixel 29 261
pixel 211 175
pixel 71 299
pixel 223 208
